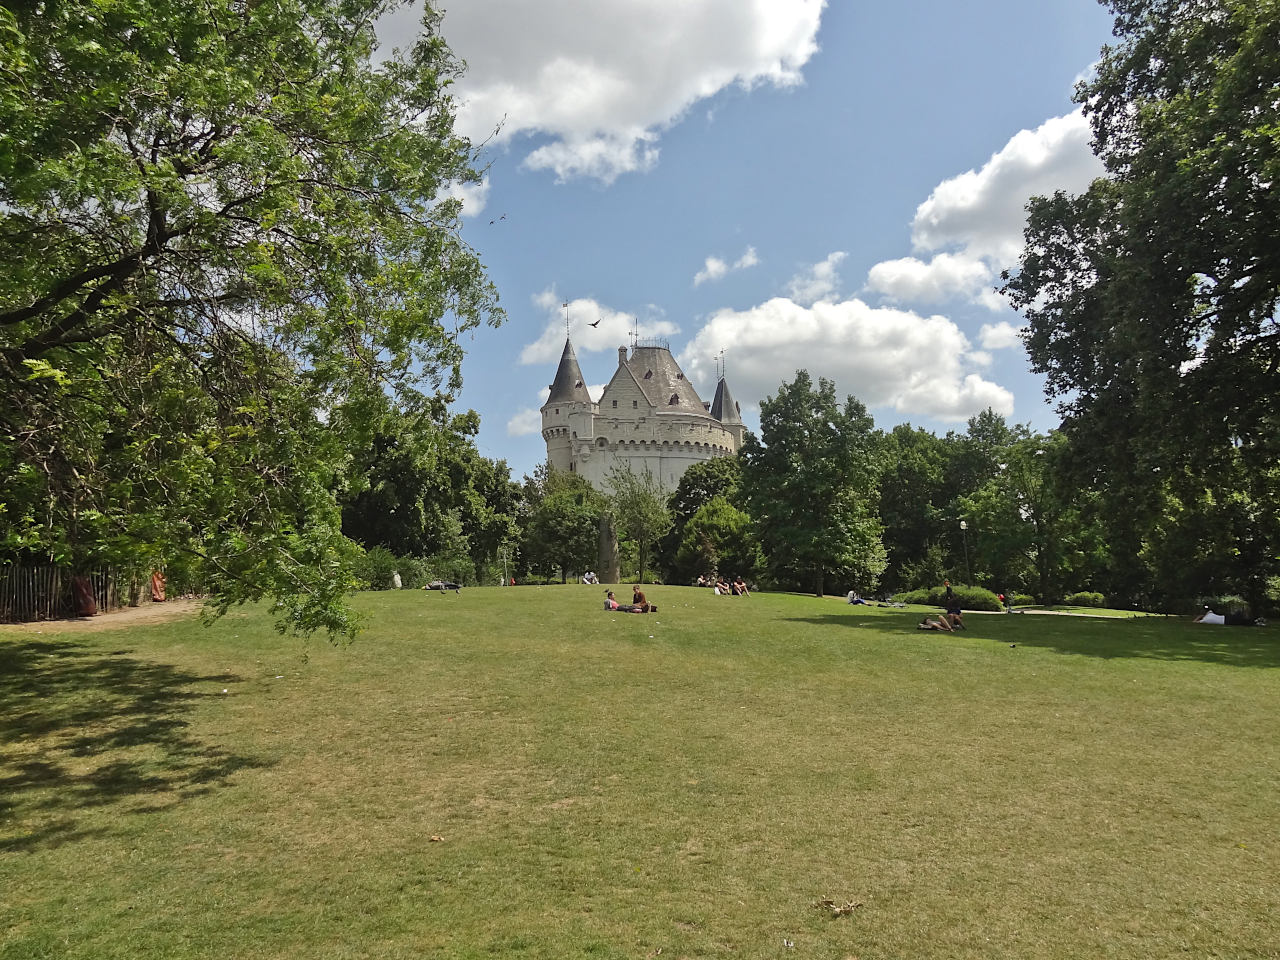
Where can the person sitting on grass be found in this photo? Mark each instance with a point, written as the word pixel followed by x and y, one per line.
pixel 638 600
pixel 855 597
pixel 740 587
pixel 939 623
pixel 611 604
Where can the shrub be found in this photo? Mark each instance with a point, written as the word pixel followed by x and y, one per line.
pixel 376 567
pixel 970 598
pixel 1021 600
pixel 413 572
pixel 1087 598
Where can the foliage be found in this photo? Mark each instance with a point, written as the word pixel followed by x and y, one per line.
pixel 561 530
pixel 1028 525
pixel 377 567
pixel 1086 598
pixel 1151 298
pixel 421 473
pixel 414 572
pixel 227 237
pixel 702 481
pixel 452 560
pixel 809 482
pixel 912 505
pixel 969 597
pixel 718 539
pixel 639 507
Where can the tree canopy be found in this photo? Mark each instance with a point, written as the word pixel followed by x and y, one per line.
pixel 1151 298
pixel 810 483
pixel 229 238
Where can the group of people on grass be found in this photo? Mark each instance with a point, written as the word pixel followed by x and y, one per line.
pixel 737 587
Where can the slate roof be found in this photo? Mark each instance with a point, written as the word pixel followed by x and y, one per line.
pixel 662 381
pixel 568 385
pixel 724 408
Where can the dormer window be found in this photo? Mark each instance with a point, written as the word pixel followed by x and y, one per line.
pixel 648 374
pixel 615 404
pixel 679 376
pixel 674 400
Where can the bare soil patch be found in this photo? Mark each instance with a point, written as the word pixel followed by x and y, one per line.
pixel 144 613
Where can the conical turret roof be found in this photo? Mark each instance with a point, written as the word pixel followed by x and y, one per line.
pixel 568 385
pixel 724 408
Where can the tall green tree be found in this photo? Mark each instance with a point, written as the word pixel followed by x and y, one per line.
pixel 1031 528
pixel 913 506
pixel 719 539
pixel 419 478
pixel 699 485
pixel 227 234
pixel 1151 298
pixel 560 531
pixel 810 483
pixel 639 507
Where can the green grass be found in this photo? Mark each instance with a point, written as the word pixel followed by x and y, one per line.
pixel 608 785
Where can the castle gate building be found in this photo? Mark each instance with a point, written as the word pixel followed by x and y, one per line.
pixel 649 417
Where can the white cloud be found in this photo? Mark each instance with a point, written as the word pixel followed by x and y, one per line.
pixel 714 268
pixel 943 278
pixel 592 326
pixel 601 80
pixel 982 211
pixel 818 282
pixel 917 365
pixel 1000 336
pixel 474 196
pixel 976 219
pixel 527 421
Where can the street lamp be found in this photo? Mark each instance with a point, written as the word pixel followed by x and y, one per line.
pixel 964 528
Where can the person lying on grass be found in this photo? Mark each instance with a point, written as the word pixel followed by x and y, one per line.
pixel 940 623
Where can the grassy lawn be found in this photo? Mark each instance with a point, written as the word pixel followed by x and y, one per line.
pixel 517 773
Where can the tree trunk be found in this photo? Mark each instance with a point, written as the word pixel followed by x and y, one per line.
pixel 610 567
pixel 819 582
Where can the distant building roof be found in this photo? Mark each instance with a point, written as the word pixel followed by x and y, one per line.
pixel 724 408
pixel 663 382
pixel 568 385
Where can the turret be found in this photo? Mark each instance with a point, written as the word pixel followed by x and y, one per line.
pixel 725 409
pixel 567 395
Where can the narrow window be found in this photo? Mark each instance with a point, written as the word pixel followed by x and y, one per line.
pixel 615 404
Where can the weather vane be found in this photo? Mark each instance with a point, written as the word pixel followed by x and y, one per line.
pixel 566 317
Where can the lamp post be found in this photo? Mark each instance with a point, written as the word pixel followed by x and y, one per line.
pixel 964 532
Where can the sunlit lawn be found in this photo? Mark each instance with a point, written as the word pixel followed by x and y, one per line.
pixel 517 773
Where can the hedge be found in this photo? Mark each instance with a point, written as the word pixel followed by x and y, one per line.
pixel 970 598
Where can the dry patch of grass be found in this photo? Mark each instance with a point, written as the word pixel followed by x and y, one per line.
pixel 519 773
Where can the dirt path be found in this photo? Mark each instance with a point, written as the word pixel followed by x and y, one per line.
pixel 140 615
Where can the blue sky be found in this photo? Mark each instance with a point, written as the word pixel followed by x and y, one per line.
pixel 834 186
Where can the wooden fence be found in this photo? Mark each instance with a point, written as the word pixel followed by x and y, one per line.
pixel 44 593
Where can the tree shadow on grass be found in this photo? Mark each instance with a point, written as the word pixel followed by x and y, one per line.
pixel 87 735
pixel 1156 638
